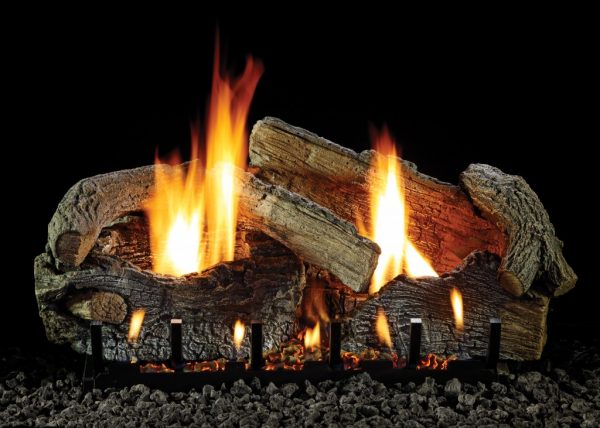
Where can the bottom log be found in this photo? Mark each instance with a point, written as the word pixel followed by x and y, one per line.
pixel 267 286
pixel 523 319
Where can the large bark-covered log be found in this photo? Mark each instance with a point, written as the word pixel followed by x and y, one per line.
pixel 312 232
pixel 266 286
pixel 533 249
pixel 443 222
pixel 523 319
pixel 90 205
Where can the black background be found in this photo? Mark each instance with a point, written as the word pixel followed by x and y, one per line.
pixel 89 96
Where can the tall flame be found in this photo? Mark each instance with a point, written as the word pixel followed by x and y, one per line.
pixel 383 329
pixel 239 332
pixel 390 219
pixel 457 308
pixel 312 338
pixel 135 325
pixel 193 212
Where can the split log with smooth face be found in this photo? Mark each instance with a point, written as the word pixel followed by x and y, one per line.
pixel 444 221
pixel 311 231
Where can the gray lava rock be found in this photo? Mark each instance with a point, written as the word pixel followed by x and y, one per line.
pixel 452 388
pixel 568 396
pixel 158 397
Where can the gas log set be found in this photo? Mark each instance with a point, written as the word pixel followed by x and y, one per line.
pixel 312 262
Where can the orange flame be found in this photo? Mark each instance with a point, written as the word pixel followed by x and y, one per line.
pixel 239 332
pixel 312 338
pixel 457 308
pixel 193 213
pixel 135 325
pixel 389 214
pixel 314 306
pixel 383 329
pixel 434 362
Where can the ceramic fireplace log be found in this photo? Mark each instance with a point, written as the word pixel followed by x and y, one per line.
pixel 312 232
pixel 266 286
pixel 90 205
pixel 445 221
pixel 534 250
pixel 523 318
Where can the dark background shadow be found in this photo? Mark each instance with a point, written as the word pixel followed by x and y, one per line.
pixel 88 98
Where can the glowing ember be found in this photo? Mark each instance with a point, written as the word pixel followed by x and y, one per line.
pixel 190 367
pixel 135 325
pixel 193 213
pixel 352 361
pixel 205 366
pixel 457 307
pixel 292 354
pixel 289 356
pixel 239 331
pixel 433 362
pixel 312 338
pixel 390 227
pixel 383 329
pixel 155 368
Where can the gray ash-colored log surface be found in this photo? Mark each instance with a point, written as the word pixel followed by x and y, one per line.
pixel 523 319
pixel 267 286
pixel 534 251
pixel 43 390
pixel 306 193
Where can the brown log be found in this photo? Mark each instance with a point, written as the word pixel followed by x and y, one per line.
pixel 523 319
pixel 533 250
pixel 309 230
pixel 443 222
pixel 267 286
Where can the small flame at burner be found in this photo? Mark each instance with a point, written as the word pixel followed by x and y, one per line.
pixel 239 332
pixel 312 338
pixel 457 307
pixel 135 325
pixel 383 329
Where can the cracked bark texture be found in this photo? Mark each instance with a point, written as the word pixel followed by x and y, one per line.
pixel 523 318
pixel 534 251
pixel 445 223
pixel 267 286
pixel 311 231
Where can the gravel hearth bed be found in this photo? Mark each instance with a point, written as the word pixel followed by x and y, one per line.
pixel 558 391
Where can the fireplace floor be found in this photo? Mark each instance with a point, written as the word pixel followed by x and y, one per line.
pixel 564 388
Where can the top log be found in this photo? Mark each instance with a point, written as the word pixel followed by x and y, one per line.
pixel 309 230
pixel 443 222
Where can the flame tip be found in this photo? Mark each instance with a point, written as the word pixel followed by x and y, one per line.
pixel 390 218
pixel 193 215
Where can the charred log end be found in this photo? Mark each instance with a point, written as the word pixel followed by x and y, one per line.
pixel 71 248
